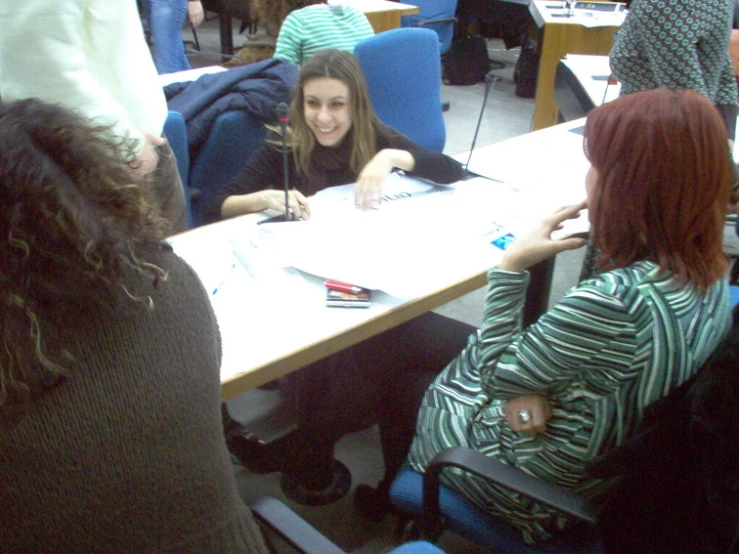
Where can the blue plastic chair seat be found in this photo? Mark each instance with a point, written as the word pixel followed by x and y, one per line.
pixel 465 519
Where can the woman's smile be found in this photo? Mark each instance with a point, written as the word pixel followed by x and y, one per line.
pixel 327 110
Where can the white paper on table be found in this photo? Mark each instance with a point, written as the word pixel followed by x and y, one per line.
pixel 588 18
pixel 547 175
pixel 406 247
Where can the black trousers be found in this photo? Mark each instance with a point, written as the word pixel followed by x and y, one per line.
pixel 382 381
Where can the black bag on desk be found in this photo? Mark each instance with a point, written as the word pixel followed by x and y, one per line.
pixel 466 62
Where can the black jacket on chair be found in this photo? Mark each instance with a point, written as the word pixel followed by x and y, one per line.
pixel 677 484
pixel 255 88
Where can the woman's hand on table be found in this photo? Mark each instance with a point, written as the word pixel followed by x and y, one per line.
pixel 535 406
pixel 538 245
pixel 275 200
pixel 368 190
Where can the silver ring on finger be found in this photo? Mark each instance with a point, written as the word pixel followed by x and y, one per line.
pixel 524 417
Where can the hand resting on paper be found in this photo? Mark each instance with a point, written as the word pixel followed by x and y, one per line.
pixel 269 199
pixel 368 190
pixel 538 245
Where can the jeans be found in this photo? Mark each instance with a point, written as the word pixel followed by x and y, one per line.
pixel 166 18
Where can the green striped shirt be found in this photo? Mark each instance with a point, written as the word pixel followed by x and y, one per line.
pixel 613 345
pixel 320 27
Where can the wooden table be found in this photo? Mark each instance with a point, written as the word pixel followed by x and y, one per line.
pixel 274 321
pixel 271 327
pixel 383 15
pixel 563 35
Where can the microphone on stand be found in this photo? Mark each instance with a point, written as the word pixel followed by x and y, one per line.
pixel 283 116
pixel 490 80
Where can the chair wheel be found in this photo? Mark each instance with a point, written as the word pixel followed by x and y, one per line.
pixel 297 492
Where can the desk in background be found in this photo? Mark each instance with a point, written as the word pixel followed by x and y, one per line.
pixel 565 35
pixel 262 344
pixel 383 15
pixel 581 84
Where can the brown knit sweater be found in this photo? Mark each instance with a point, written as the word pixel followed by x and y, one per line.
pixel 128 455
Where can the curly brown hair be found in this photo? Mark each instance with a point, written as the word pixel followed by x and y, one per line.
pixel 75 232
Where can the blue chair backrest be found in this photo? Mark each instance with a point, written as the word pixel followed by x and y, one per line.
pixel 175 130
pixel 403 72
pixel 235 136
pixel 431 10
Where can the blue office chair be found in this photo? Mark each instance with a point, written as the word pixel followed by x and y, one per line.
pixel 671 487
pixel 403 74
pixel 232 140
pixel 175 130
pixel 437 15
pixel 437 506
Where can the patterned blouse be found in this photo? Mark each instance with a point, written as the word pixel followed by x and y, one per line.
pixel 676 44
pixel 610 347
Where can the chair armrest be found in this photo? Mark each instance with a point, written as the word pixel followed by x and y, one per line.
pixel 291 527
pixel 492 470
pixel 439 20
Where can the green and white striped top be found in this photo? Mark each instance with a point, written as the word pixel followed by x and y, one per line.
pixel 613 345
pixel 320 27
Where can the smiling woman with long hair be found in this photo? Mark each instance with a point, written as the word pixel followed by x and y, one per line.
pixel 110 421
pixel 335 139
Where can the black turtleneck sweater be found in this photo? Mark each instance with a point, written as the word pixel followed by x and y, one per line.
pixel 331 167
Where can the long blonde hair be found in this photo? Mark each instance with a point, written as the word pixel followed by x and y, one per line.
pixel 344 67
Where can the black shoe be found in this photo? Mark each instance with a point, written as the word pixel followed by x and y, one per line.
pixel 372 503
pixel 249 450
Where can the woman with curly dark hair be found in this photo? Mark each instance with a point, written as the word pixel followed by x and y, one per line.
pixel 110 421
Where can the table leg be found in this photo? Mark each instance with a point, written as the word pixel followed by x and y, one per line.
pixel 383 21
pixel 537 296
pixel 561 39
pixel 226 34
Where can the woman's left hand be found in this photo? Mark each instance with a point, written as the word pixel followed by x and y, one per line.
pixel 538 244
pixel 528 413
pixel 368 190
pixel 195 13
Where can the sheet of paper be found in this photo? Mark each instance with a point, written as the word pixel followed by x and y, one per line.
pixel 556 11
pixel 408 246
pixel 545 176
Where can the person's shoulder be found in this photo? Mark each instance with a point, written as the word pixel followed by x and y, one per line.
pixel 182 284
pixel 386 135
pixel 316 10
pixel 615 285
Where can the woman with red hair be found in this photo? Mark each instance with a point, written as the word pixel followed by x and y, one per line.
pixel 574 385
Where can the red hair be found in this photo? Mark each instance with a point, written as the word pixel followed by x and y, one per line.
pixel 663 184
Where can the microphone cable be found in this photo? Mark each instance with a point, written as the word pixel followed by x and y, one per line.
pixel 490 80
pixel 283 116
